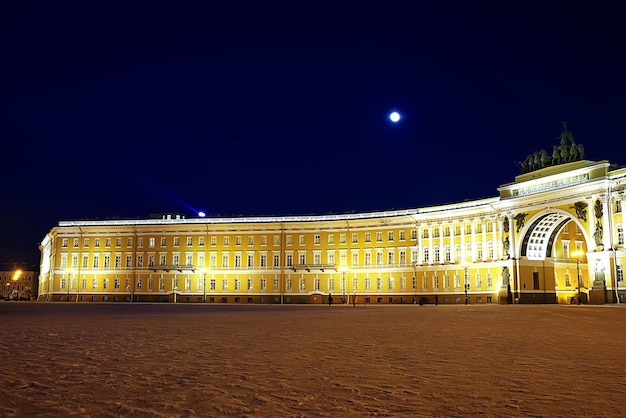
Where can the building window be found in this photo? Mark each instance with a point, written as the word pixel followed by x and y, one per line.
pixel 75 242
pixel 200 241
pixel 620 234
pixel 264 240
pixel 64 243
pixel 355 283
pixel 389 235
pixel 289 240
pixel 342 238
pixel 226 241
pixel 447 254
pixel 331 238
pixel 368 283
pixel 368 237
pixel 379 237
pixel 251 240
pixel 413 234
pixel 276 240
pixel 489 281
pixel 479 281
pixel 237 240
pixel 402 238
pixel 426 255
pixel 620 273
pixel 355 238
pixel 316 239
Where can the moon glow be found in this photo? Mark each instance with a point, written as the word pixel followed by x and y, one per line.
pixel 394 117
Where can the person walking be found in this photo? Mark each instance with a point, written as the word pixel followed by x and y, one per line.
pixel 330 300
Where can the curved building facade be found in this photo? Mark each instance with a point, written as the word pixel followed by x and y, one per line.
pixel 554 235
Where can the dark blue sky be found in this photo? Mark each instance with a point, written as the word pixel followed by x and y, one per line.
pixel 271 108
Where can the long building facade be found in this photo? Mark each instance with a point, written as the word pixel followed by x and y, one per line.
pixel 554 235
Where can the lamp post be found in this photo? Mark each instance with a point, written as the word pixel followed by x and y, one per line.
pixel 578 254
pixel 16 277
pixel 467 285
pixel 203 286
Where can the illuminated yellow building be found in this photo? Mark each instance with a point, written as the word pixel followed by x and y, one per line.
pixel 19 282
pixel 554 235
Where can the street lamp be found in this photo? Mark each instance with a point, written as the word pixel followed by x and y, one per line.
pixel 577 255
pixel 467 285
pixel 16 277
pixel 203 286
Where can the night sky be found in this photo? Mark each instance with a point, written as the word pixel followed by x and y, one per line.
pixel 126 109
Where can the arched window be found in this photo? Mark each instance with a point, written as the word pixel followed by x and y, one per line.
pixel 447 257
pixel 457 253
pixel 490 253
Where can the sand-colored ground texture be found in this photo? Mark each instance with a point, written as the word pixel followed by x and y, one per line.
pixel 167 360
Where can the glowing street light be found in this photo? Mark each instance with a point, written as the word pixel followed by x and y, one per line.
pixel 16 276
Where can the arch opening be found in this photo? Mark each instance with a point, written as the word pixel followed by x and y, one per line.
pixel 539 238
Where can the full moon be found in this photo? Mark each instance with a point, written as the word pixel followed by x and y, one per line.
pixel 394 117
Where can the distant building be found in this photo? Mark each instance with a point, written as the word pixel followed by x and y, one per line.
pixel 19 281
pixel 554 235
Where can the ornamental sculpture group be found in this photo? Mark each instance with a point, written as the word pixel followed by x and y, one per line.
pixel 567 151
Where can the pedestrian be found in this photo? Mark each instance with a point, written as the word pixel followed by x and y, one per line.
pixel 354 301
pixel 330 300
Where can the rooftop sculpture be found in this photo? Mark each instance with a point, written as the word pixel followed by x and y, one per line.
pixel 567 151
